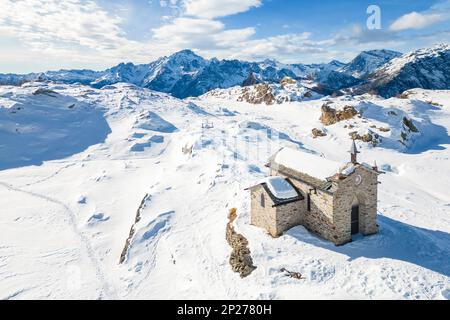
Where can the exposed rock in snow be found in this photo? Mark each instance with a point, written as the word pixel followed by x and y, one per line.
pixel 269 94
pixel 366 137
pixel 240 258
pixel 287 81
pixel 318 133
pixel 261 93
pixel 331 116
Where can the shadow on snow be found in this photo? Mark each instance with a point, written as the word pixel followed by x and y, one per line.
pixel 431 136
pixel 396 240
pixel 40 128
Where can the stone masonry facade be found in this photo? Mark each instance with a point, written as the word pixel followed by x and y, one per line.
pixel 327 213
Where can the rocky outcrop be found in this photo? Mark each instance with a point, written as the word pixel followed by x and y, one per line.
pixel 124 254
pixel 250 81
pixel 365 137
pixel 331 116
pixel 369 137
pixel 240 259
pixel 261 93
pixel 287 81
pixel 409 124
pixel 408 130
pixel 318 133
pixel 267 93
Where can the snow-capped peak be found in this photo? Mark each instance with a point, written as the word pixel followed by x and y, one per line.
pixel 368 61
pixel 185 73
pixel 427 68
pixel 396 64
pixel 184 55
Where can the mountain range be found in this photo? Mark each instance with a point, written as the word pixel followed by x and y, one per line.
pixel 185 74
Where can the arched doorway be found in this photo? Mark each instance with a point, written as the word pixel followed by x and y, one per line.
pixel 355 216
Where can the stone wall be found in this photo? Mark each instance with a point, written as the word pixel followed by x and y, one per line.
pixel 320 219
pixel 289 215
pixel 330 213
pixel 240 258
pixel 263 217
pixel 366 194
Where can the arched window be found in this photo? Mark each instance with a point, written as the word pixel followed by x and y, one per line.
pixel 263 201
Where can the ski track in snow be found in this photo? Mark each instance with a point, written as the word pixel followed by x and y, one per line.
pixel 179 248
pixel 50 176
pixel 107 287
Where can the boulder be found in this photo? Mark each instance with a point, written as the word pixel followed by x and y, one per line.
pixel 331 116
pixel 318 133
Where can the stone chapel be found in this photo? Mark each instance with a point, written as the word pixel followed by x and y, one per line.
pixel 330 200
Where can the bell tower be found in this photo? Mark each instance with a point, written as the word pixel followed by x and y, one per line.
pixel 354 153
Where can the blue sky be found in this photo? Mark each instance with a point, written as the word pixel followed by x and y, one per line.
pixel 38 35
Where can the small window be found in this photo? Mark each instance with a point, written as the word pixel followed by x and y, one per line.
pixel 308 202
pixel 263 201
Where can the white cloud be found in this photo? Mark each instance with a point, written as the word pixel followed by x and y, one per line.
pixel 416 20
pixel 197 29
pixel 167 3
pixel 282 46
pixel 187 27
pixel 65 22
pixel 217 8
pixel 199 34
pixel 80 33
pixel 48 34
pixel 70 30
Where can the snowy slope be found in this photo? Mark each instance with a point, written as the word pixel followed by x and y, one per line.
pixel 288 90
pixel 368 61
pixel 70 210
pixel 427 68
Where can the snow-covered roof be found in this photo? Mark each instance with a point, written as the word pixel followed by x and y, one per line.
pixel 280 188
pixel 348 170
pixel 307 163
